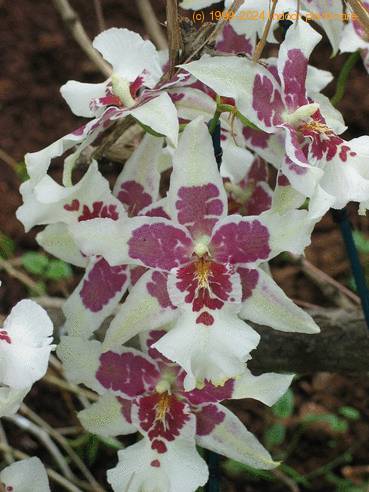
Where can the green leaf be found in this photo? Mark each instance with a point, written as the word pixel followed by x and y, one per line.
pixel 334 422
pixel 275 435
pixel 149 130
pixel 285 405
pixel 92 448
pixel 294 474
pixel 7 246
pixel 362 242
pixel 58 270
pixel 21 171
pixel 35 263
pixel 350 413
pixel 234 468
pixel 111 442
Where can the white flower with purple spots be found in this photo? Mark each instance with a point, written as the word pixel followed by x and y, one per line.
pixel 18 476
pixel 25 346
pixel 134 88
pixel 252 16
pixel 202 268
pixel 316 161
pixel 355 38
pixel 144 391
pixel 47 202
pixel 246 184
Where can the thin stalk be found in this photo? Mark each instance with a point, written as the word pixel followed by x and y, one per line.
pixel 343 77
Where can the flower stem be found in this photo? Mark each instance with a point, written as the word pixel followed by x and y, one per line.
pixel 214 121
pixel 343 77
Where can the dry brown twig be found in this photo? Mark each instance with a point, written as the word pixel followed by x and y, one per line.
pixel 174 35
pixel 152 24
pixel 22 277
pixel 99 15
pixel 65 445
pixel 261 44
pixel 216 30
pixel 74 25
pixel 41 434
pixel 334 290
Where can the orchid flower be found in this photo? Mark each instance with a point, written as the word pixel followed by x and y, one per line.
pixel 251 17
pixel 25 346
pixel 47 202
pixel 133 89
pixel 144 391
pixel 202 268
pixel 246 183
pixel 11 399
pixel 355 38
pixel 317 162
pixel 22 476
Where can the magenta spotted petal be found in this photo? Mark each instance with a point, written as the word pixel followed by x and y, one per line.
pixel 231 42
pixel 157 287
pixel 210 393
pixel 294 77
pixel 102 284
pixel 267 101
pixel 245 241
pixel 249 279
pixel 199 208
pixel 127 373
pixel 132 194
pixel 162 416
pixel 160 245
pixel 208 418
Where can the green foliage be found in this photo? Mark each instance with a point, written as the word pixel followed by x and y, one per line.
pixel 7 246
pixel 335 423
pixel 21 171
pixel 58 270
pixel 349 413
pixel 34 263
pixel 344 485
pixel 294 474
pixel 362 242
pixel 275 435
pixel 47 268
pixel 285 405
pixel 92 449
pixel 234 468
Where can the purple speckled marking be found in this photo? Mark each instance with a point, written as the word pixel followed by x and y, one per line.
pixel 267 101
pixel 231 42
pixel 134 197
pixel 208 418
pixel 249 279
pixel 210 393
pixel 294 76
pixel 256 138
pixel 160 245
pixel 102 284
pixel 199 208
pixel 157 287
pixel 129 373
pixel 242 242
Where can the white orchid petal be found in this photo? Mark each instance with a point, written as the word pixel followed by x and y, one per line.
pixel 18 476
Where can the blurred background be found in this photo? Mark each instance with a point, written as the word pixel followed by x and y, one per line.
pixel 320 429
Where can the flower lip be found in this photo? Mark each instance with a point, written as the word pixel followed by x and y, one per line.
pixel 302 113
pixel 201 246
pixel 121 88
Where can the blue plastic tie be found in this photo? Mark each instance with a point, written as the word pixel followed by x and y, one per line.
pixel 341 218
